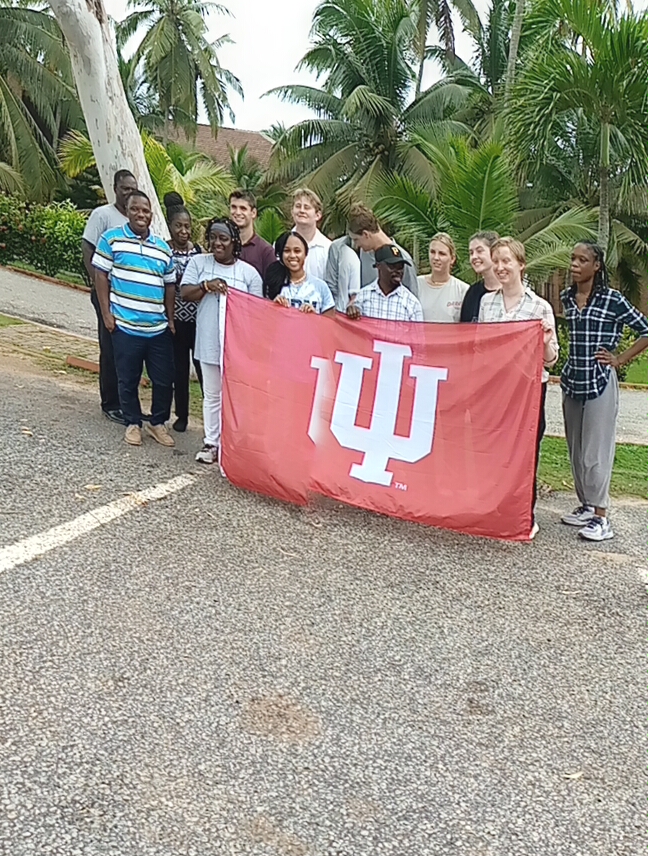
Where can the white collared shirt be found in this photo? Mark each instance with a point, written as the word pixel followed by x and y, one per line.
pixel 530 307
pixel 399 305
pixel 317 256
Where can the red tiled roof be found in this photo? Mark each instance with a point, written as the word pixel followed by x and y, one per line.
pixel 258 147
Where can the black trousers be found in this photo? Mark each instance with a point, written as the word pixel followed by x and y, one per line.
pixel 132 353
pixel 108 387
pixel 183 347
pixel 542 425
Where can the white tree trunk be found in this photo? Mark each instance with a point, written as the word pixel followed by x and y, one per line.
pixel 514 46
pixel 112 130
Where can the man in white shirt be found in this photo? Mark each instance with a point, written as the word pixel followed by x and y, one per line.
pixel 367 236
pixel 307 213
pixel 102 219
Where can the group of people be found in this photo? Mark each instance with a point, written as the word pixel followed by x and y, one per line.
pixel 159 305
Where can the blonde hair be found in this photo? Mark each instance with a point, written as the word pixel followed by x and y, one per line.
pixel 313 198
pixel 516 247
pixel 444 238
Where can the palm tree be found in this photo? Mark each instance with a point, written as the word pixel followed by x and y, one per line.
pixel 37 98
pixel 438 14
pixel 597 75
pixel 474 189
pixel 178 62
pixel 203 184
pixel 365 113
pixel 514 46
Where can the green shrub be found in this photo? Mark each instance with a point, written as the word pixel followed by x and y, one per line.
pixel 13 216
pixel 628 338
pixel 45 236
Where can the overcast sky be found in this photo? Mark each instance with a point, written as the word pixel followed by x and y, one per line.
pixel 270 38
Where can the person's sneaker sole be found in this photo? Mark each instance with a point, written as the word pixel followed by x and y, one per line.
pixel 574 522
pixel 606 537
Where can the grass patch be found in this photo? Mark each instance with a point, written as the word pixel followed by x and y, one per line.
pixel 64 276
pixel 629 476
pixel 9 322
pixel 638 370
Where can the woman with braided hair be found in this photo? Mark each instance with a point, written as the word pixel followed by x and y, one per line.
pixel 206 280
pixel 184 341
pixel 596 315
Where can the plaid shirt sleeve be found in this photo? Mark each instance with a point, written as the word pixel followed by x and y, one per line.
pixel 631 317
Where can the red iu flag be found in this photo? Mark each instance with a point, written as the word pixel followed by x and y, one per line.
pixel 434 423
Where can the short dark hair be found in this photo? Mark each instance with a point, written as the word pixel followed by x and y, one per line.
pixel 245 196
pixel 138 194
pixel 120 175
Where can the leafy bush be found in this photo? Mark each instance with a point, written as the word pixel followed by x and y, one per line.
pixel 628 339
pixel 45 236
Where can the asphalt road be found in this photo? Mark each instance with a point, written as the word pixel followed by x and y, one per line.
pixel 216 673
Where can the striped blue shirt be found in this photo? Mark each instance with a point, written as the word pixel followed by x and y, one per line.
pixel 139 270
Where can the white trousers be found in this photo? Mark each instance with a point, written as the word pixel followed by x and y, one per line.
pixel 212 389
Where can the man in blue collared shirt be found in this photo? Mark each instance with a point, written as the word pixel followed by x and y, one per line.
pixel 137 305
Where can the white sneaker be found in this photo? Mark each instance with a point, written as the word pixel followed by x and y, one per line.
pixel 208 455
pixel 534 530
pixel 579 516
pixel 598 529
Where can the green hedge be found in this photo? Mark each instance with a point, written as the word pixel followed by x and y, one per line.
pixel 48 237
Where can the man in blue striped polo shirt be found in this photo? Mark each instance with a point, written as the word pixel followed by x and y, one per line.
pixel 137 307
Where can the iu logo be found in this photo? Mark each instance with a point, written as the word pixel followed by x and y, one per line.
pixel 379 442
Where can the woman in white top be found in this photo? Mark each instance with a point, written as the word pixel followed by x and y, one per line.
pixel 515 301
pixel 287 282
pixel 205 281
pixel 441 294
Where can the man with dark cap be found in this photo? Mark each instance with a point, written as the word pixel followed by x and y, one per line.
pixel 387 297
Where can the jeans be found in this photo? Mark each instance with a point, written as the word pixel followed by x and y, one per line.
pixel 108 387
pixel 132 352
pixel 183 346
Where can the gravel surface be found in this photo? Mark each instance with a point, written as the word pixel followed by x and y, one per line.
pixel 71 310
pixel 632 423
pixel 217 673
pixel 47 303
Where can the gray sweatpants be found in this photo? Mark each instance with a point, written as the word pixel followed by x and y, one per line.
pixel 590 427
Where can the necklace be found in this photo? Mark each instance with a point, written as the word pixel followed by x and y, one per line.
pixel 298 281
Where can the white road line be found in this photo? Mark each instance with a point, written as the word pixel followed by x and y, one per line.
pixel 37 545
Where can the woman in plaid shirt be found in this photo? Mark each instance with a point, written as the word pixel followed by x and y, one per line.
pixel 596 315
pixel 515 301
